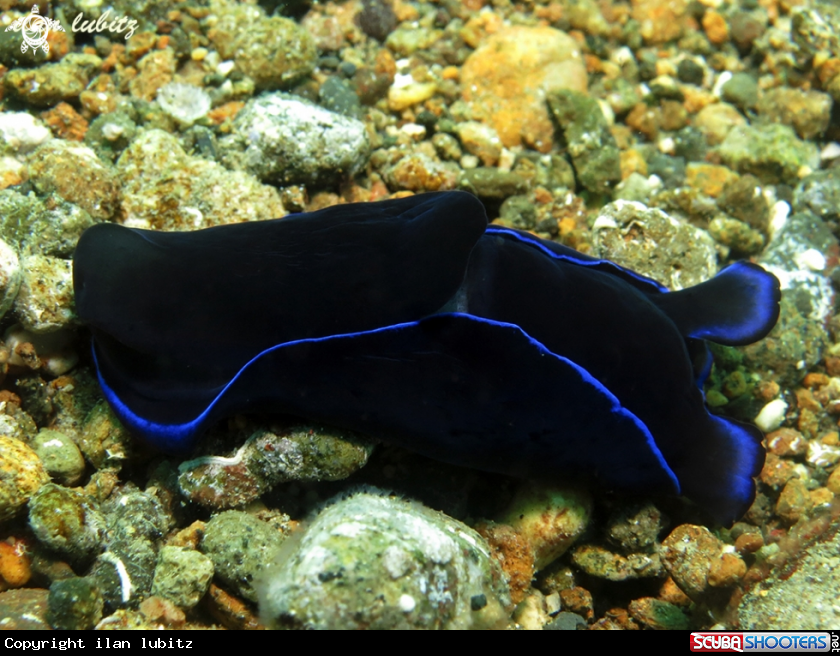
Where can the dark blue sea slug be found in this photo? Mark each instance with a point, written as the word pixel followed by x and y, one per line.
pixel 414 321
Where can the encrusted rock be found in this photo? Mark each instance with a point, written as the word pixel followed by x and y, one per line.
pixel 21 475
pixel 549 518
pixel 76 174
pixel 240 546
pixel 505 81
pixel 285 139
pixel 164 188
pixel 649 241
pixel 66 521
pixel 61 457
pixel 376 562
pixel 45 301
pixel 182 576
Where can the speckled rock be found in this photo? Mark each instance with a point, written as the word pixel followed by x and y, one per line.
pixel 717 120
pixel 798 256
pixel 794 345
pixel 21 132
pixel 33 227
pixel 635 528
pixel 590 144
pixel 303 453
pixel 819 193
pixel 240 546
pixel 77 175
pixel 549 518
pixel 67 521
pixel 166 189
pixel 275 51
pixel 736 235
pixel 182 576
pixel 492 183
pixel 604 564
pixel 104 441
pixel 480 140
pixel 808 112
pixel 648 241
pixel 21 475
pixel 376 562
pixel 772 153
pixel 506 79
pixel 284 139
pixel 658 614
pixel 660 21
pixel 24 609
pixel 136 521
pixel 51 83
pixel 75 604
pixel 699 562
pixel 61 457
pixel 45 301
pixel 420 172
pixel 10 276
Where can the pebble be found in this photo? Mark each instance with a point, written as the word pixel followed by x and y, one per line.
pixel 480 140
pixel 419 172
pixel 275 52
pixel 76 174
pixel 75 604
pixel 711 179
pixel 240 546
pixel 515 555
pixel 284 139
pixel 604 564
pixel 33 227
pixel 808 112
pixel 164 188
pixel 102 439
pixel 66 521
pixel 24 609
pixel 504 81
pixel 590 143
pixel 15 563
pixel 20 132
pixel 635 528
pixel 630 234
pixel 698 561
pixel 772 153
pixel 715 121
pixel 377 562
pixel 50 84
pixel 301 453
pixel 182 576
pixel 21 475
pixel 549 518
pixel 44 302
pixel 61 457
pixel 658 614
pixel 10 277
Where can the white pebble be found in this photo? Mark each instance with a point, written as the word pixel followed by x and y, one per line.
pixel 772 415
pixel 407 603
pixel 811 259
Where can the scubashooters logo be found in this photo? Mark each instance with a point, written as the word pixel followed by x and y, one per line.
pixel 35 29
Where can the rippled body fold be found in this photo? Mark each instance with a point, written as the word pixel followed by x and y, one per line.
pixel 414 321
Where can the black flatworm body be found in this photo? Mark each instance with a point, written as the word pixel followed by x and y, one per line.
pixel 414 321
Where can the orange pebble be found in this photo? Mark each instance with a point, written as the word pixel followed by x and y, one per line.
pixel 14 564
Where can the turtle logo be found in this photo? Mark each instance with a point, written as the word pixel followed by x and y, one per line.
pixel 35 29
